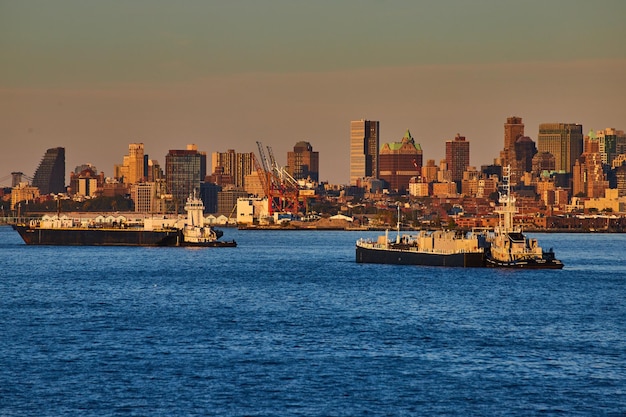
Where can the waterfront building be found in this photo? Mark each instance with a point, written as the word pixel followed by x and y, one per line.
pixel 399 162
pixel 23 192
pixel 231 167
pixel 253 185
pixel 184 170
pixel 227 201
pixel 145 196
pixel 209 195
pixel 50 175
pixel 457 158
pixel 303 162
pixel 364 149
pixel 564 141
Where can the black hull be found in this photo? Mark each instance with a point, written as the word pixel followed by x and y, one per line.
pixel 214 244
pixel 529 264
pixel 399 257
pixel 108 237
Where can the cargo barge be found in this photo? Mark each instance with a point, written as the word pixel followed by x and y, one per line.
pixel 152 232
pixel 428 248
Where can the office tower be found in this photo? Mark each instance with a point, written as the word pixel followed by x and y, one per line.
pixel 364 138
pixel 86 181
pixel 612 143
pixel 522 162
pixel 513 129
pixel 154 171
pixel 564 141
pixel 132 170
pixel 144 196
pixel 429 171
pixel 303 162
pixel 543 161
pixel 184 170
pixel 232 167
pixel 457 158
pixel 588 175
pixel 399 162
pixel 135 163
pixel 50 175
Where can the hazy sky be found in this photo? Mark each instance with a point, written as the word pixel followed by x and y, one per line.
pixel 94 76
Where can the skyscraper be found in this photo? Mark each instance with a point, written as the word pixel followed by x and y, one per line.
pixel 50 175
pixel 184 169
pixel 564 141
pixel 457 158
pixel 400 161
pixel 364 145
pixel 132 169
pixel 513 129
pixel 303 162
pixel 587 173
pixel 135 163
pixel 233 165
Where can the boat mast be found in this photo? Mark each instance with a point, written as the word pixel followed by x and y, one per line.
pixel 507 202
pixel 398 223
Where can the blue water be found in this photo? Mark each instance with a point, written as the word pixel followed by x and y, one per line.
pixel 288 324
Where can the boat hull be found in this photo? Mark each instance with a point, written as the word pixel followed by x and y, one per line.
pixel 109 237
pixel 401 257
pixel 528 264
pixel 97 237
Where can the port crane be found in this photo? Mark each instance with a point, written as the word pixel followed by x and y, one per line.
pixel 280 188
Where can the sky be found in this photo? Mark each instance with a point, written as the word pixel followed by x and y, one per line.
pixel 93 76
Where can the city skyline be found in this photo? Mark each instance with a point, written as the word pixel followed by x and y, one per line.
pixel 168 76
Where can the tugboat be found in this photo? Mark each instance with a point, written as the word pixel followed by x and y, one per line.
pixel 507 246
pixel 194 233
pixel 429 248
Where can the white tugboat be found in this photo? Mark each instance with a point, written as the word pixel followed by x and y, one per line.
pixel 508 247
pixel 194 232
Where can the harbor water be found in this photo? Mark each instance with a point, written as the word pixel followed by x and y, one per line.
pixel 289 324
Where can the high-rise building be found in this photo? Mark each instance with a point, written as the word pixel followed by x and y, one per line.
pixel 399 162
pixel 588 175
pixel 86 181
pixel 364 145
pixel 50 175
pixel 154 171
pixel 612 143
pixel 457 158
pixel 543 161
pixel 429 171
pixel 232 167
pixel 184 170
pixel 135 163
pixel 132 169
pixel 564 141
pixel 522 162
pixel 303 162
pixel 513 129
